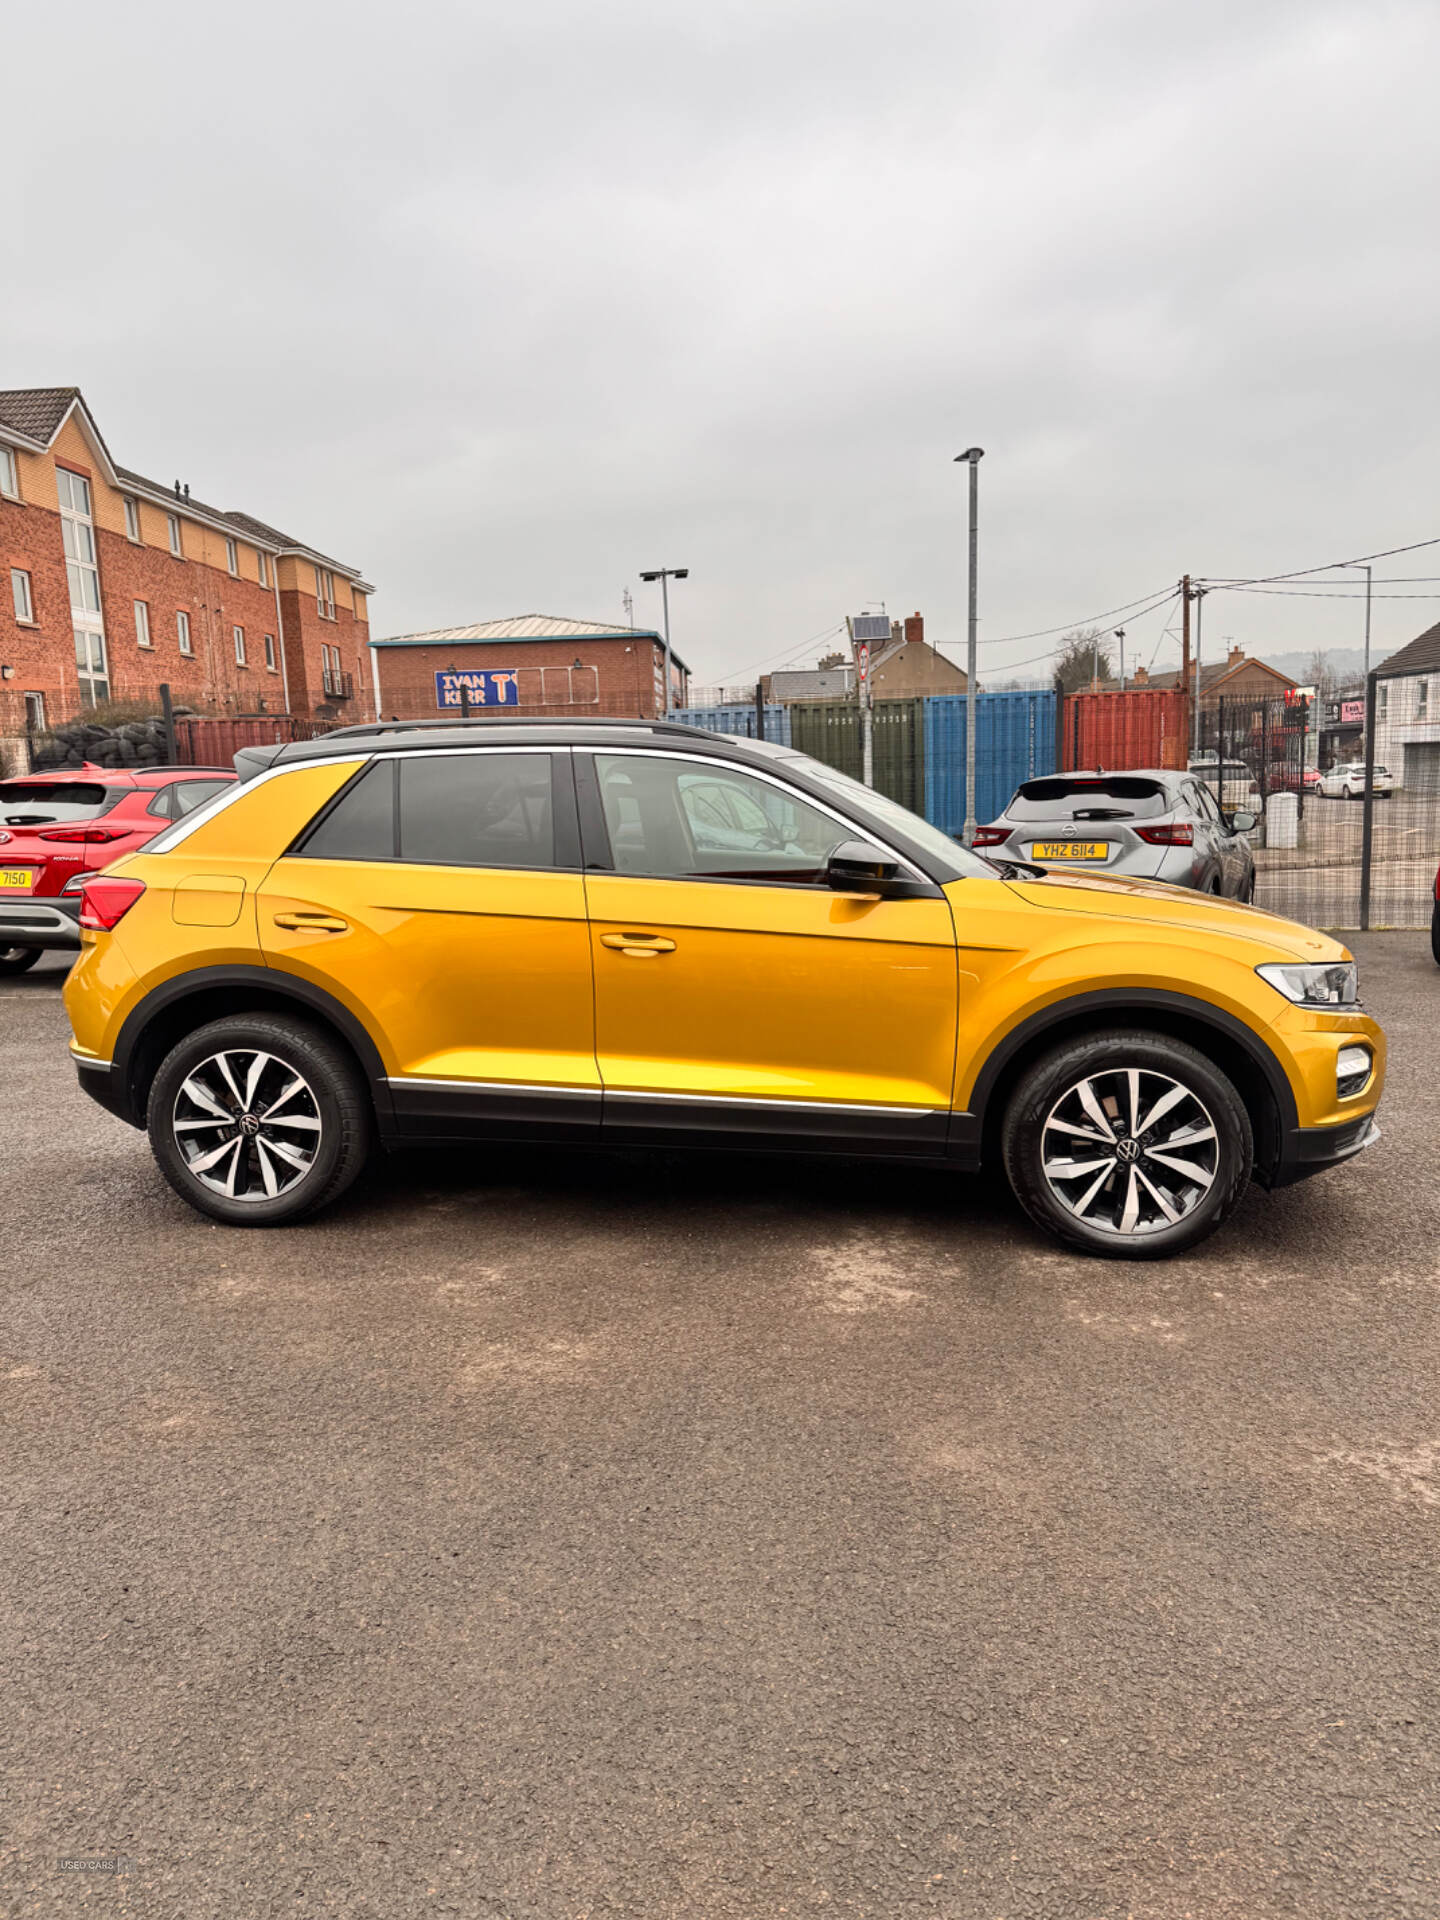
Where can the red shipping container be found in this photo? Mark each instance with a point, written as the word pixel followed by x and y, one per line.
pixel 1143 728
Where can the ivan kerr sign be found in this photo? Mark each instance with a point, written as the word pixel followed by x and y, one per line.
pixel 486 686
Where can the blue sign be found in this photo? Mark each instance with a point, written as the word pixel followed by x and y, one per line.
pixel 487 687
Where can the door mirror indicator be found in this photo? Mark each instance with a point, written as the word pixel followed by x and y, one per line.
pixel 855 867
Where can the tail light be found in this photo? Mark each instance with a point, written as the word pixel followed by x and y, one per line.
pixel 106 900
pixel 1182 835
pixel 991 836
pixel 87 836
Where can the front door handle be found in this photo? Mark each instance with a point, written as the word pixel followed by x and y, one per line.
pixel 638 946
pixel 312 922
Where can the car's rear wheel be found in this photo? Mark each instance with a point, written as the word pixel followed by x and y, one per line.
pixel 18 959
pixel 259 1119
pixel 1127 1144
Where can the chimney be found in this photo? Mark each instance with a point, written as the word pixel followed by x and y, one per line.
pixel 1140 677
pixel 1237 655
pixel 914 630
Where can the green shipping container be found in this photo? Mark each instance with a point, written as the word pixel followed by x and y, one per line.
pixel 829 730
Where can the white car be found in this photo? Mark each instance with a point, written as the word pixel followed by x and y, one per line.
pixel 1241 788
pixel 1347 781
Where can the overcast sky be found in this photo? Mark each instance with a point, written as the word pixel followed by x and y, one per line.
pixel 504 304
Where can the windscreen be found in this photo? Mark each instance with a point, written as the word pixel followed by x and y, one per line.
pixel 36 803
pixel 1111 797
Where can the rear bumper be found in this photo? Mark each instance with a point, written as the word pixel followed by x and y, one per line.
pixel 1307 1150
pixel 30 922
pixel 99 1079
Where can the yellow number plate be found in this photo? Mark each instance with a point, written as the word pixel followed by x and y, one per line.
pixel 1070 850
pixel 17 877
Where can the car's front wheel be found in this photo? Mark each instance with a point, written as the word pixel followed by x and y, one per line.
pixel 1128 1144
pixel 18 959
pixel 258 1119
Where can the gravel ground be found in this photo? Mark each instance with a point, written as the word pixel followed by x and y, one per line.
pixel 651 1537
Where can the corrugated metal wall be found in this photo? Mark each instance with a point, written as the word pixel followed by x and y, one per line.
pixel 739 719
pixel 830 731
pixel 1140 728
pixel 1015 741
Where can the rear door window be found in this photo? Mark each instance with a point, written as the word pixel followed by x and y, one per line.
pixel 25 803
pixel 1111 797
pixel 477 810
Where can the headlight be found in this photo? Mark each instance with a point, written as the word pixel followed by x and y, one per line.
pixel 1330 987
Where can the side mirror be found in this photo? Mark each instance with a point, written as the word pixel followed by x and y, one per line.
pixel 854 867
pixel 1243 821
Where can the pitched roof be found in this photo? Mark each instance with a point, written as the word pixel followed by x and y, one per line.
pixel 812 683
pixel 36 411
pixel 1422 653
pixel 1212 672
pixel 523 626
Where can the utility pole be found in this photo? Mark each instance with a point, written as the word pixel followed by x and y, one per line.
pixel 1185 635
pixel 1198 594
pixel 972 456
pixel 1120 636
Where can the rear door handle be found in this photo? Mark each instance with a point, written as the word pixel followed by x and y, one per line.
pixel 312 922
pixel 638 946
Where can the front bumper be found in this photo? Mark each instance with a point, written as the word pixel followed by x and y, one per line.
pixel 1307 1150
pixel 28 922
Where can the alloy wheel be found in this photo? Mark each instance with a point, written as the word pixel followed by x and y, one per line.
pixel 1129 1151
pixel 247 1125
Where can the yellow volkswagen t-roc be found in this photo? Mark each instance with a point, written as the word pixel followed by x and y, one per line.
pixel 622 932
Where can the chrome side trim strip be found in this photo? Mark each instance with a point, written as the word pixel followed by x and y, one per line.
pixel 765 1101
pixel 492 1086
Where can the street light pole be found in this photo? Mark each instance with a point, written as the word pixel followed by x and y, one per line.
pixel 665 575
pixel 972 457
pixel 1120 636
pixel 1198 595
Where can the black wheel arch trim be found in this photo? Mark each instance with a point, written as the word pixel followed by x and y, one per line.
pixel 274 982
pixel 1128 1001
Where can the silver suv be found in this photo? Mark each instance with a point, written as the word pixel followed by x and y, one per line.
pixel 1149 824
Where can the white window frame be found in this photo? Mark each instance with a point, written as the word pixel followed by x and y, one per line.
pixel 142 624
pixel 177 544
pixel 77 529
pixel 1422 699
pixel 232 558
pixel 132 519
pixel 9 474
pixel 325 593
pixel 237 634
pixel 183 637
pixel 262 564
pixel 22 594
pixel 34 713
pixel 271 663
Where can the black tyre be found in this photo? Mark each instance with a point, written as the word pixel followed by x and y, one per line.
pixel 1127 1144
pixel 18 959
pixel 1435 932
pixel 259 1119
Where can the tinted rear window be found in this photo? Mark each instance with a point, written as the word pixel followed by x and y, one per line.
pixel 477 810
pixel 62 800
pixel 1115 797
pixel 466 810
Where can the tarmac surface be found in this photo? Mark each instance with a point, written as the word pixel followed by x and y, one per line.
pixel 645 1536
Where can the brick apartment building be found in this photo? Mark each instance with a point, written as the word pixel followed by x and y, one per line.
pixel 532 662
pixel 111 584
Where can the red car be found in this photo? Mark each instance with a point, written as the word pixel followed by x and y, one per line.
pixel 56 829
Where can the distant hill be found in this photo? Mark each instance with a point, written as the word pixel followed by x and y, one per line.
pixel 1346 663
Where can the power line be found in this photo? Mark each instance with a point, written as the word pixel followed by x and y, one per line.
pixel 779 658
pixel 1330 566
pixel 1313 593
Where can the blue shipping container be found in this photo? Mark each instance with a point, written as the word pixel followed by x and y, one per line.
pixel 1015 741
pixel 739 720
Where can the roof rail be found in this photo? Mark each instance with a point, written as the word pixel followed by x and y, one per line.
pixel 511 720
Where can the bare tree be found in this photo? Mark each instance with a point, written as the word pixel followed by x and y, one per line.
pixel 1081 658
